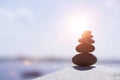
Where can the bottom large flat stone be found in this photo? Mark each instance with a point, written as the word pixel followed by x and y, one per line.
pixel 83 73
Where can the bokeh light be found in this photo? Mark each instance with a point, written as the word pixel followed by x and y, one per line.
pixel 26 62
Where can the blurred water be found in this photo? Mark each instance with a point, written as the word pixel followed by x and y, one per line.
pixel 25 70
pixel 21 71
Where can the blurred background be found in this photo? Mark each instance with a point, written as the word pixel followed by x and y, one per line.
pixel 38 37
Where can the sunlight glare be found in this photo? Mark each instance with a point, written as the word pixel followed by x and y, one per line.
pixel 77 24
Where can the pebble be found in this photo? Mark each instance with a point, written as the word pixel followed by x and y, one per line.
pixel 85 48
pixel 87 36
pixel 84 59
pixel 86 41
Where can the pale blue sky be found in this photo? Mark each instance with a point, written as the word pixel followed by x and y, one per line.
pixel 40 28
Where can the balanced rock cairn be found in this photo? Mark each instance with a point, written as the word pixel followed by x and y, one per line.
pixel 85 58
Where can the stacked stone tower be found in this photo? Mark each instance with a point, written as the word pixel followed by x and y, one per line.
pixel 85 57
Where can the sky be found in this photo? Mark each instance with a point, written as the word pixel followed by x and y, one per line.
pixel 51 28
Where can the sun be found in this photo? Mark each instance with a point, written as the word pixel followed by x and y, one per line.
pixel 78 24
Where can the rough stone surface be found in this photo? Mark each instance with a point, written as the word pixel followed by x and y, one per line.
pixel 83 73
pixel 86 41
pixel 87 36
pixel 85 48
pixel 84 59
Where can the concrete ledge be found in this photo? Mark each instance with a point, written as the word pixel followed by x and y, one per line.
pixel 83 73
